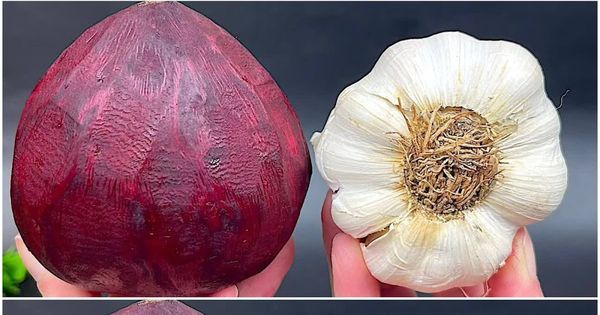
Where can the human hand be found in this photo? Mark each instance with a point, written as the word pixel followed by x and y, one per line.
pixel 263 284
pixel 350 276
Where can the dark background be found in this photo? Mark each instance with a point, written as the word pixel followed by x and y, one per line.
pixel 322 307
pixel 314 50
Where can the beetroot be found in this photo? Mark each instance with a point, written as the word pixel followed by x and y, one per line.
pixel 158 308
pixel 157 157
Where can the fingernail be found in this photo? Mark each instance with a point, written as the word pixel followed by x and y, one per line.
pixel 334 240
pixel 528 246
pixel 19 241
pixel 228 292
pixel 527 260
pixel 476 290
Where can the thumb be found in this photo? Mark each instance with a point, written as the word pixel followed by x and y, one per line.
pixel 518 277
pixel 350 275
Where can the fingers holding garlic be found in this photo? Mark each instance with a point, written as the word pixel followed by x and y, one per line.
pixel 439 155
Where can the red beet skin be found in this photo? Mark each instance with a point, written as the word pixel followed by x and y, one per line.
pixel 158 308
pixel 157 157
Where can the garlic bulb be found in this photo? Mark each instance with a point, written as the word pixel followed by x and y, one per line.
pixel 437 157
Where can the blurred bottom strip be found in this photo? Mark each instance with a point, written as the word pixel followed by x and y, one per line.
pixel 298 307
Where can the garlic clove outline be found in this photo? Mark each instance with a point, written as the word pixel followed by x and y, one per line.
pixel 493 78
pixel 353 143
pixel 531 186
pixel 431 256
pixel 360 213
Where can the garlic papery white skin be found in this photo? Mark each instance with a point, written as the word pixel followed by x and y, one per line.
pixel 438 156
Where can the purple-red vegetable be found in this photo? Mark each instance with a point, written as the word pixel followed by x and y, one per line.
pixel 157 157
pixel 168 307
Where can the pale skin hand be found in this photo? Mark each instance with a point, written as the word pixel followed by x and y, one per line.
pixel 263 284
pixel 351 278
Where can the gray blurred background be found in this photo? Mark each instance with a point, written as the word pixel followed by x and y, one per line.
pixel 317 307
pixel 314 50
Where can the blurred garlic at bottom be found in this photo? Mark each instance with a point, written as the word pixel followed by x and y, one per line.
pixel 438 156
